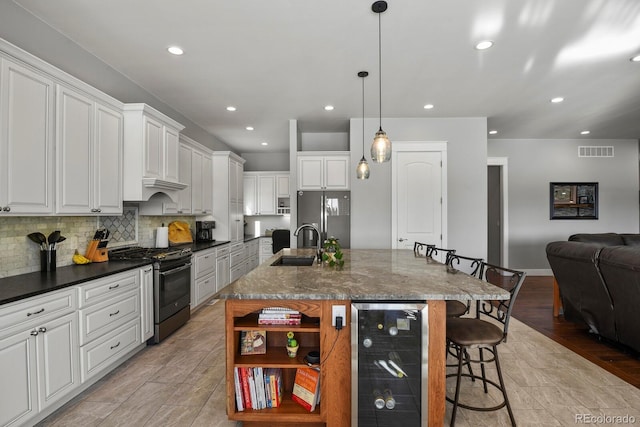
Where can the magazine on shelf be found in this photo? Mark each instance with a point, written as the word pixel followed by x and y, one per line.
pixel 294 321
pixel 238 386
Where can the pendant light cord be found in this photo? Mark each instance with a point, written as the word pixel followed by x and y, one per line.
pixel 363 116
pixel 380 63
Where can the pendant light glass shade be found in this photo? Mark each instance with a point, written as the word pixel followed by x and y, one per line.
pixel 362 171
pixel 381 146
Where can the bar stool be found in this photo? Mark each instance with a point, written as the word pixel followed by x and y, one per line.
pixel 471 266
pixel 464 333
pixel 421 249
pixel 280 239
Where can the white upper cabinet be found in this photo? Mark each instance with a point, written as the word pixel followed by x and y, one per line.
pixel 151 153
pixel 261 192
pixel 282 185
pixel 196 169
pixel 26 140
pixel 227 209
pixel 89 155
pixel 320 171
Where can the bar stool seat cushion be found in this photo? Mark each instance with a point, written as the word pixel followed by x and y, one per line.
pixel 467 332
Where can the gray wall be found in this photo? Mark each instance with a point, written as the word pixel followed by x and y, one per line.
pixel 467 181
pixel 533 164
pixel 22 29
pixel 266 161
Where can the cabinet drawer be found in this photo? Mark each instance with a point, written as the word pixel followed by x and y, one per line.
pixel 205 287
pixel 222 251
pixel 237 257
pixel 205 264
pixel 36 309
pixel 99 290
pixel 97 356
pixel 107 315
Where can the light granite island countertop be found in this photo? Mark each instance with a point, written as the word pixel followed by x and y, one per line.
pixel 383 275
pixel 368 274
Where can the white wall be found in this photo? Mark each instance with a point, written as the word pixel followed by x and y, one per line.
pixel 533 164
pixel 467 181
pixel 266 161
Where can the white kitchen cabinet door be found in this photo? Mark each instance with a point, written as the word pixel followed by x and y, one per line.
pixel 58 359
pixel 310 173
pixel 18 368
pixel 336 173
pixel 171 156
pixel 222 270
pixel 196 182
pixel 185 196
pixel 74 155
pixel 250 191
pixel 107 160
pixel 266 194
pixel 207 184
pixel 282 186
pixel 153 148
pixel 26 140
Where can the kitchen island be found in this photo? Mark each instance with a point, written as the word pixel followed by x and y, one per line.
pixel 368 275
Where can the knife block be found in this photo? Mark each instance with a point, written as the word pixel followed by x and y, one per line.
pixel 96 254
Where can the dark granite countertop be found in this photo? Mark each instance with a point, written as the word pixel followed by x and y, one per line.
pixel 15 288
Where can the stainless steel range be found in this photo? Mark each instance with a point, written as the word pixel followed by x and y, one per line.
pixel 171 285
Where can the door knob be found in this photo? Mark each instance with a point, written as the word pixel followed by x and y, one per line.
pixel 401 239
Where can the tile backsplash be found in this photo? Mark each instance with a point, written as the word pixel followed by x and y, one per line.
pixel 19 255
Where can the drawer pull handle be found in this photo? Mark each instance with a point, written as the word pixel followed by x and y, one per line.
pixel 33 333
pixel 35 312
pixel 113 314
pixel 114 286
pixel 115 346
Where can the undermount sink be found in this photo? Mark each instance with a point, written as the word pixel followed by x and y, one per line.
pixel 294 260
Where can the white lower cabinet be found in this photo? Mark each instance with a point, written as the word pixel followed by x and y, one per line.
pixel 205 276
pixel 55 345
pixel 222 267
pixel 38 358
pixel 266 248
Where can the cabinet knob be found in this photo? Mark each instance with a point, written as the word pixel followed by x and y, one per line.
pixel 33 333
pixel 42 329
pixel 6 208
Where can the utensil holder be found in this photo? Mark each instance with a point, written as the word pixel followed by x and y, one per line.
pixel 52 260
pixel 44 261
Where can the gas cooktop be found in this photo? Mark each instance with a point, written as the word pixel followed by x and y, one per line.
pixel 158 254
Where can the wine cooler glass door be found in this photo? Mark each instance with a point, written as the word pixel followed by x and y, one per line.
pixel 389 364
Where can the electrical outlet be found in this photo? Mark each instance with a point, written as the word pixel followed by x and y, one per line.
pixel 338 311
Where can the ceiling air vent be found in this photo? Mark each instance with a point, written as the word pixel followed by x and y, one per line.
pixel 595 151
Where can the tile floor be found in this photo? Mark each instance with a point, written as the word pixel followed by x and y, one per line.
pixel 181 383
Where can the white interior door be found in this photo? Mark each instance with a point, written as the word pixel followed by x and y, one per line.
pixel 418 195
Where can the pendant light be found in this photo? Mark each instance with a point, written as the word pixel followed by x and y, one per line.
pixel 362 171
pixel 381 147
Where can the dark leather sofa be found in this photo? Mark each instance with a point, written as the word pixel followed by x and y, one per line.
pixel 598 276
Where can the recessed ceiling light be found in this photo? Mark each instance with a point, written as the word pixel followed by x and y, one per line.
pixel 428 106
pixel 493 132
pixel 635 58
pixel 585 132
pixel 264 143
pixel 328 107
pixel 249 128
pixel 175 50
pixel 485 44
pixel 231 108
pixel 557 99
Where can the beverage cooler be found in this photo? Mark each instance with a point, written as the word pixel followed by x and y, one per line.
pixel 389 364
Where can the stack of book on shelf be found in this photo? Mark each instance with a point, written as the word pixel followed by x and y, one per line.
pixel 279 316
pixel 257 388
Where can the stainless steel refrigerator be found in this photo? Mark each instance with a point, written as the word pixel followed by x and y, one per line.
pixel 330 211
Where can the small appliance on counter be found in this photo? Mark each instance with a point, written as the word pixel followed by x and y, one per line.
pixel 204 231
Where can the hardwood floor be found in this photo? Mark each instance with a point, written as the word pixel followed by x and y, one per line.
pixel 534 308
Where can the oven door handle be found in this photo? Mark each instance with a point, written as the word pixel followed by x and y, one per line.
pixel 177 269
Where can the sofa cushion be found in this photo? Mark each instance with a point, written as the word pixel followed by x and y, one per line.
pixel 631 239
pixel 603 239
